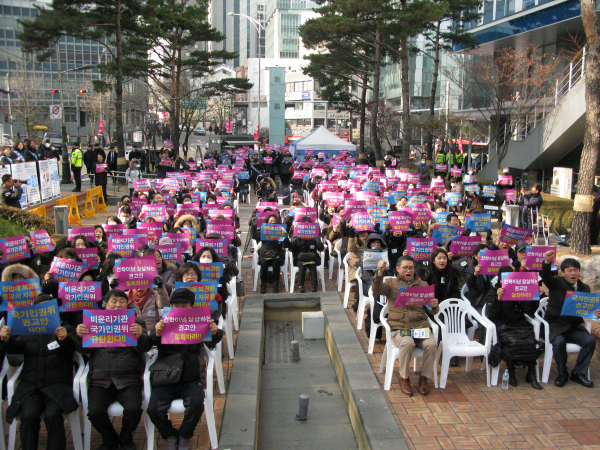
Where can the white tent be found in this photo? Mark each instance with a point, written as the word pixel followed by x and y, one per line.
pixel 321 140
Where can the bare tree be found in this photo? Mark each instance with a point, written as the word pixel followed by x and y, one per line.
pixel 505 88
pixel 27 97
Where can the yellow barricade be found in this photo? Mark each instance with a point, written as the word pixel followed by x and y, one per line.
pixel 100 201
pixel 88 209
pixel 40 211
pixel 71 202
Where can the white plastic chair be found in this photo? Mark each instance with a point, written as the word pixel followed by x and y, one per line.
pixel 115 409
pixel 463 292
pixel 360 312
pixel 232 303
pixel 72 417
pixel 348 284
pixel 455 342
pixel 177 406
pixel 332 259
pixel 548 351
pixel 340 276
pixel 391 353
pixel 219 361
pixel 227 326
pixel 295 269
pixel 375 326
pixel 256 268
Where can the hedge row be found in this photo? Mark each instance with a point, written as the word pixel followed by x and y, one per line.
pixel 27 220
pixel 560 211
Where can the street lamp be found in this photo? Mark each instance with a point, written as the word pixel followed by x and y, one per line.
pixel 66 171
pixel 258 26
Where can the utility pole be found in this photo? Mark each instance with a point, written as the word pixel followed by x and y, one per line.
pixel 77 113
pixel 10 114
pixel 66 171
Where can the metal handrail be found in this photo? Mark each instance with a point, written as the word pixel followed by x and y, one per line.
pixel 571 75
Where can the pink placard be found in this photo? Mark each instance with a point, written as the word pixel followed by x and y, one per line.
pixel 491 261
pixel 186 325
pixel 353 207
pixel 87 232
pixel 124 245
pixel 415 296
pixel 219 246
pixel 171 253
pixel 306 230
pixel 400 220
pixel 41 241
pixel 14 249
pixel 225 231
pixel 158 211
pixel 66 270
pixel 136 273
pixel 464 245
pixel 421 213
pixel 420 249
pixel 334 198
pixel 535 256
pixel 101 168
pixel 79 295
pixel 153 229
pixel 140 233
pixel 520 286
pixel 513 235
pixel 109 329
pixel 262 205
pixel 89 256
pixel 306 212
pixel 113 229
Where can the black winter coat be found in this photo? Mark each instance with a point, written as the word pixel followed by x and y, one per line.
pixel 47 370
pixel 477 287
pixel 447 285
pixel 558 288
pixel 121 366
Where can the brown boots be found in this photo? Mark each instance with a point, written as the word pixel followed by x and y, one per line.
pixel 407 388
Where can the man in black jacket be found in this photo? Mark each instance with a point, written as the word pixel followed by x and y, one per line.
pixel 116 375
pixel 161 171
pixel 189 387
pixel 530 202
pixel 89 159
pixel 567 329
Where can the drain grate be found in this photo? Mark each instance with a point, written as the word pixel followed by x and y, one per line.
pixel 277 342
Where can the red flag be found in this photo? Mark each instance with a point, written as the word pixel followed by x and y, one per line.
pixel 256 133
pixel 460 146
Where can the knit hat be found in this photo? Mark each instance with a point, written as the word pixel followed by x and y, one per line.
pixel 227 204
pixel 165 241
pixel 183 295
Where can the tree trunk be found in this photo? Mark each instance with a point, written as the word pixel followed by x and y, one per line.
pixel 375 102
pixel 363 114
pixel 436 68
pixel 119 85
pixel 582 209
pixel 405 94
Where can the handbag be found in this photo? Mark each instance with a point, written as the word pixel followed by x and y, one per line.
pixel 167 370
pixel 518 344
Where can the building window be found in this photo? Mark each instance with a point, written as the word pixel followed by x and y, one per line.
pixel 277 106
pixel 319 106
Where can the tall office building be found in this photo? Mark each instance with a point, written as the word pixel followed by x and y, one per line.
pixel 39 79
pixel 554 138
pixel 219 18
pixel 284 17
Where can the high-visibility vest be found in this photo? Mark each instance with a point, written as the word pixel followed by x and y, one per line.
pixel 440 158
pixel 76 158
pixel 459 158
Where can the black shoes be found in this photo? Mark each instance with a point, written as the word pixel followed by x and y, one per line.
pixel 263 288
pixel 581 379
pixel 314 289
pixel 276 287
pixel 561 380
pixel 535 384
pixel 512 379
pixel 301 289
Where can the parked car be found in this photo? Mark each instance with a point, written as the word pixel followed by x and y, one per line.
pixel 199 131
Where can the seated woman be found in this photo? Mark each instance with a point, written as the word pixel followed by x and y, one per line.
pixel 190 273
pixel 271 254
pixel 45 384
pixel 189 387
pixel 306 256
pixel 166 270
pixel 515 334
pixel 116 375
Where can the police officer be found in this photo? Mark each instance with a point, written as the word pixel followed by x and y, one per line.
pixel 76 164
pixel 10 196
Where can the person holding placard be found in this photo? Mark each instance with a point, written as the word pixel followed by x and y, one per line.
pixel 102 171
pixel 187 386
pixel 306 256
pixel 567 329
pixel 165 270
pixel 45 385
pixel 478 285
pixel 271 254
pixel 515 334
pixel 116 375
pixel 443 275
pixel 404 319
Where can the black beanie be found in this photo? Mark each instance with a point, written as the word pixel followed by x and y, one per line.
pixel 183 295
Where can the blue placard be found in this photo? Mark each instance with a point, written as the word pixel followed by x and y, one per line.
pixel 395 197
pixel 272 232
pixel 212 286
pixel 580 304
pixel 489 191
pixel 20 293
pixel 453 198
pixel 243 175
pixel 372 186
pixel 212 271
pixel 440 217
pixel 443 232
pixel 479 223
pixel 472 188
pixel 383 224
pixel 42 318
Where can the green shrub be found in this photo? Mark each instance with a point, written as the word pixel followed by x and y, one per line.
pixel 26 220
pixel 560 211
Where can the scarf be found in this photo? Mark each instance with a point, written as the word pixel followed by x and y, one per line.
pixel 139 301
